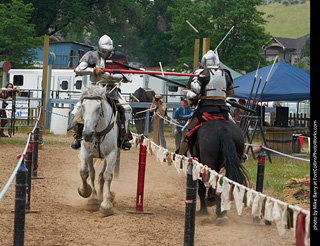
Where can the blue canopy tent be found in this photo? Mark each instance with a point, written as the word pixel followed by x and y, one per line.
pixel 286 83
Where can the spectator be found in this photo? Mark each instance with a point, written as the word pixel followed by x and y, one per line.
pixel 238 112
pixel 180 117
pixel 5 95
pixel 160 108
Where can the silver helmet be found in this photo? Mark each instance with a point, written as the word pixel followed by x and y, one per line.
pixel 211 59
pixel 105 44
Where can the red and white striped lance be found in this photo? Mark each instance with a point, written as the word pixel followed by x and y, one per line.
pixel 148 72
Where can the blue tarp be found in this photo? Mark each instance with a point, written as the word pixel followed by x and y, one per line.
pixel 286 83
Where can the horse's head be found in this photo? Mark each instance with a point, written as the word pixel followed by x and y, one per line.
pixel 91 103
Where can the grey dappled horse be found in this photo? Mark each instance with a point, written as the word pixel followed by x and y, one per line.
pixel 100 134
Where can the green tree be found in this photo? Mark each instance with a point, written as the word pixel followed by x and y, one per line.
pixel 52 16
pixel 87 20
pixel 87 17
pixel 154 36
pixel 305 51
pixel 17 36
pixel 213 18
pixel 304 62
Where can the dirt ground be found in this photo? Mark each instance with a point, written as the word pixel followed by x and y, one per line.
pixel 64 217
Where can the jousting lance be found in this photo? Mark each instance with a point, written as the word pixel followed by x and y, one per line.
pixel 156 74
pixel 153 75
pixel 149 72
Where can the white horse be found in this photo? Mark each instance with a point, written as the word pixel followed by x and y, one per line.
pixel 100 134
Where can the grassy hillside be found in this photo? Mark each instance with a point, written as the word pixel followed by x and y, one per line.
pixel 291 21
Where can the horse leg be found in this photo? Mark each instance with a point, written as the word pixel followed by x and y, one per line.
pixel 94 198
pixel 84 189
pixel 211 198
pixel 106 206
pixel 101 181
pixel 221 216
pixel 202 194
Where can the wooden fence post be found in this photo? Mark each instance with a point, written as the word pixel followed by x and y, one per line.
pixel 206 46
pixel 196 53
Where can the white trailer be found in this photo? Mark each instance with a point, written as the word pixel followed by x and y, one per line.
pixel 64 84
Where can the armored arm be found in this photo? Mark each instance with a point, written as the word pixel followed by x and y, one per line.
pixel 83 69
pixel 195 86
pixel 195 89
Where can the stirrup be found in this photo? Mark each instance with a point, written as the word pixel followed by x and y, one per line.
pixel 244 157
pixel 125 145
pixel 76 144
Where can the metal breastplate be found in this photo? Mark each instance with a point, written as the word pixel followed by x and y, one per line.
pixel 217 85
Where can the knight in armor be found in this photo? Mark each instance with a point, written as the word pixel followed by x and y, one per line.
pixel 208 92
pixel 92 64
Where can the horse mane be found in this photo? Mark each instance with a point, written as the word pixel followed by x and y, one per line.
pixel 93 91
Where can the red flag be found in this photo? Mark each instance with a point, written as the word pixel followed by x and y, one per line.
pixel 301 142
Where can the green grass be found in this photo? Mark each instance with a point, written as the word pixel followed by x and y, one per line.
pixel 21 142
pixel 20 138
pixel 278 172
pixel 291 21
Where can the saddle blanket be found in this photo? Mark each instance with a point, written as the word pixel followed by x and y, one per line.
pixel 206 117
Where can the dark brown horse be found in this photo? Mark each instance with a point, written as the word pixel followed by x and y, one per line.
pixel 143 96
pixel 217 144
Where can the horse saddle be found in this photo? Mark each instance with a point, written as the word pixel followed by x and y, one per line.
pixel 206 117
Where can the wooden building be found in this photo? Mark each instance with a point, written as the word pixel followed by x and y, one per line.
pixel 287 49
pixel 68 53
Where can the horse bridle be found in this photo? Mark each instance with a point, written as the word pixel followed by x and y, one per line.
pixel 102 133
pixel 101 111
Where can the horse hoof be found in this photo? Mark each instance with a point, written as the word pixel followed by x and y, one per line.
pixel 85 193
pixel 201 213
pixel 106 212
pixel 221 221
pixel 94 201
pixel 210 203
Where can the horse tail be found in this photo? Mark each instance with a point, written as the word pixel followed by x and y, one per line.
pixel 232 164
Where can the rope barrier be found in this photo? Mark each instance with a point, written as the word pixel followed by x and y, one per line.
pixel 171 122
pixel 48 111
pixel 277 152
pixel 5 188
pixel 181 163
